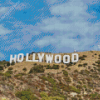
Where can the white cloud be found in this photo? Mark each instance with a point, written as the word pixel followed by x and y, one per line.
pixel 3 10
pixel 22 6
pixel 73 21
pixel 91 1
pixel 2 56
pixel 32 30
pixel 4 30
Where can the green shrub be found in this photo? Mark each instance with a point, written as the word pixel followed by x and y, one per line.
pixel 62 66
pixel 50 79
pixel 25 95
pixel 46 97
pixel 1 68
pixel 48 67
pixel 37 69
pixel 8 74
pixel 24 69
pixel 84 55
pixel 85 64
pixel 76 71
pixel 72 88
pixel 95 54
pixel 10 68
pixel 98 62
pixel 80 65
pixel 55 66
pixel 65 73
pixel 8 63
pixel 67 79
pixel 52 67
pixel 13 63
pixel 19 75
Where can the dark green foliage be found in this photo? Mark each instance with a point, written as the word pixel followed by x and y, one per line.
pixel 55 67
pixel 95 96
pixel 85 64
pixel 62 66
pixel 76 71
pixel 48 67
pixel 69 64
pixel 65 73
pixel 35 63
pixel 10 68
pixel 24 69
pixel 13 63
pixel 95 54
pixel 68 88
pixel 26 95
pixel 9 71
pixel 1 68
pixel 84 72
pixel 67 79
pixel 52 67
pixel 98 62
pixel 82 57
pixel 8 63
pixel 19 75
pixel 37 69
pixel 8 74
pixel 80 65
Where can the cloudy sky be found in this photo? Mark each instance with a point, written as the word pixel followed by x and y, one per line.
pixel 48 26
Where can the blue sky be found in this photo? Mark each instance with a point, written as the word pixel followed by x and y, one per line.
pixel 48 26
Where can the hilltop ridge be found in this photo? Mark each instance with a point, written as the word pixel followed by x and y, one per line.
pixel 73 81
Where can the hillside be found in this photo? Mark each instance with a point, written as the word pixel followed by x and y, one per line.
pixel 50 81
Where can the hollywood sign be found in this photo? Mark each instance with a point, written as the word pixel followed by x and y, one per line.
pixel 49 58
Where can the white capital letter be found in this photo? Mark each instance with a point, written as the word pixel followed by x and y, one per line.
pixel 40 57
pixel 56 61
pixel 27 58
pixel 34 58
pixel 68 57
pixel 11 58
pixel 22 57
pixel 75 54
pixel 49 58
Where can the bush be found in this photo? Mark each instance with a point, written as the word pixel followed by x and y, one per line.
pixel 10 68
pixel 85 64
pixel 48 67
pixel 52 67
pixel 8 63
pixel 1 68
pixel 13 63
pixel 84 55
pixel 95 54
pixel 74 89
pixel 8 74
pixel 46 97
pixel 65 73
pixel 37 69
pixel 67 79
pixel 76 71
pixel 98 62
pixel 24 69
pixel 80 65
pixel 55 67
pixel 84 72
pixel 25 95
pixel 19 75
pixel 62 66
